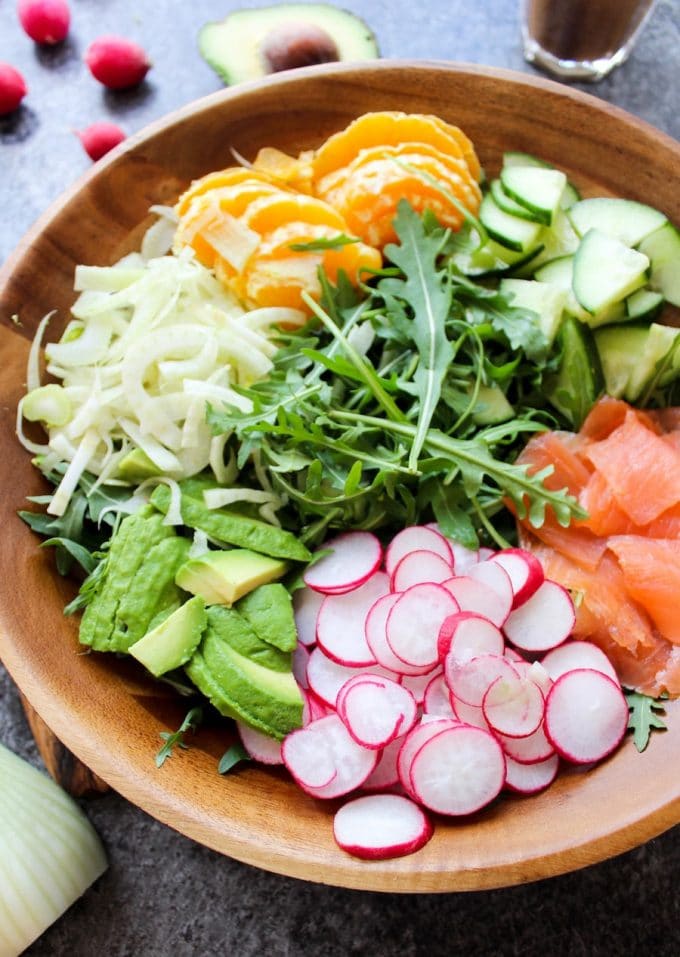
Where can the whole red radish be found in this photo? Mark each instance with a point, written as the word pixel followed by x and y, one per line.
pixel 45 21
pixel 99 138
pixel 116 62
pixel 12 89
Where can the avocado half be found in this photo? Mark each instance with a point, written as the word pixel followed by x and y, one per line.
pixel 249 44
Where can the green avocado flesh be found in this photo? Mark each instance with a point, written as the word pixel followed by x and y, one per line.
pixel 249 44
pixel 172 643
pixel 224 577
pixel 269 611
pixel 138 584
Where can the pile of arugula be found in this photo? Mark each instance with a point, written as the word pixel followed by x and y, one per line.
pixel 371 416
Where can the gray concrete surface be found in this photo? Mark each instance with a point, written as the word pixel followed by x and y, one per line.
pixel 163 894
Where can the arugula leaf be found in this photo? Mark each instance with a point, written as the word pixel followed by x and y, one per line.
pixel 176 738
pixel 325 242
pixel 643 718
pixel 232 757
pixel 82 555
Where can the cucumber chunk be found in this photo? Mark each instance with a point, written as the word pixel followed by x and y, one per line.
pixel 663 249
pixel 570 196
pixel 517 158
pixel 535 188
pixel 620 348
pixel 507 204
pixel 606 271
pixel 622 219
pixel 637 357
pixel 492 259
pixel 543 298
pixel 577 385
pixel 644 304
pixel 560 240
pixel 511 231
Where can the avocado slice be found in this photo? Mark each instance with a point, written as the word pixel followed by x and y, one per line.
pixel 172 643
pixel 269 611
pixel 224 577
pixel 249 44
pixel 233 628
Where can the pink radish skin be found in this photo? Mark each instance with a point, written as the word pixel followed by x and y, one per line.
pixel 513 706
pixel 385 774
pixel 313 707
pixel 458 771
pixel 354 557
pixel 12 89
pixel 45 21
pixel 474 596
pixel 577 654
pixel 376 710
pixel 300 662
pixel 497 580
pixel 466 635
pixel 98 139
pixel 420 567
pixel 525 572
pixel 470 680
pixel 376 636
pixel 586 716
pixel 259 746
pixel 326 677
pixel 437 698
pixel 341 623
pixel 529 750
pixel 381 826
pixel 418 684
pixel 306 605
pixel 325 749
pixel 117 63
pixel 530 778
pixel 544 621
pixel 416 538
pixel 413 742
pixel 414 622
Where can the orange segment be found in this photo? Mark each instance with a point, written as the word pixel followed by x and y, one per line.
pixel 267 213
pixel 232 176
pixel 291 171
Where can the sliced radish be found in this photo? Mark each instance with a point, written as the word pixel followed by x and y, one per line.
pixel 535 672
pixel 340 626
pixel 381 826
pixel 458 771
pixel 437 698
pixel 326 677
pixel 577 654
pixel 513 705
pixel 513 655
pixel 313 707
pixel 495 577
pixel 535 747
pixel 470 714
pixel 306 605
pixel 376 710
pixel 466 635
pixel 385 774
pixel 354 557
pixel 473 595
pixel 586 715
pixel 325 760
pixel 485 553
pixel 470 680
pixel 376 636
pixel 413 742
pixel 417 684
pixel 525 571
pixel 300 662
pixel 415 568
pixel 544 621
pixel 259 746
pixel 463 558
pixel 530 778
pixel 414 622
pixel 416 538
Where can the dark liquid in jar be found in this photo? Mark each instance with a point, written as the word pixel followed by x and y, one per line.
pixel 584 29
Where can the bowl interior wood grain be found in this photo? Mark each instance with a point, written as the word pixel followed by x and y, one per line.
pixel 104 709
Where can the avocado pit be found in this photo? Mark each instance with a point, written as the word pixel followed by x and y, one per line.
pixel 297 43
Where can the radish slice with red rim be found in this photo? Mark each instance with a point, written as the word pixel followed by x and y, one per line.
pixel 466 635
pixel 495 577
pixel 419 567
pixel 414 740
pixel 544 621
pixel 416 538
pixel 577 654
pixel 340 627
pixel 300 662
pixel 437 698
pixel 470 714
pixel 458 771
pixel 586 715
pixel 535 747
pixel 380 826
pixel 417 684
pixel 414 622
pixel 313 707
pixel 513 705
pixel 530 778
pixel 353 558
pixel 376 710
pixel 524 569
pixel 385 774
pixel 326 750
pixel 306 605
pixel 470 680
pixel 326 677
pixel 259 746
pixel 475 596
pixel 376 635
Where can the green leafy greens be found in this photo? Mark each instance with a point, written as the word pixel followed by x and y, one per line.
pixel 644 717
pixel 176 738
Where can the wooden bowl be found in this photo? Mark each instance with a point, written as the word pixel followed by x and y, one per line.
pixel 104 709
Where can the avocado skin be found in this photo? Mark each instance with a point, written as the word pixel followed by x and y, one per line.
pixel 269 610
pixel 172 642
pixel 232 46
pixel 138 585
pixel 230 528
pixel 233 628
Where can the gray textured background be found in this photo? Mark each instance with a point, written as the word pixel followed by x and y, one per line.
pixel 164 894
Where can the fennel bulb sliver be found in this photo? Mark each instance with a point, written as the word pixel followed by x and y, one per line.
pixel 49 853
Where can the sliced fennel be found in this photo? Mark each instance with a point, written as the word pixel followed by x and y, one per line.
pixel 150 343
pixel 49 853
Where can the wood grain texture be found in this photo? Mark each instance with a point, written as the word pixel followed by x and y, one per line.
pixel 106 711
